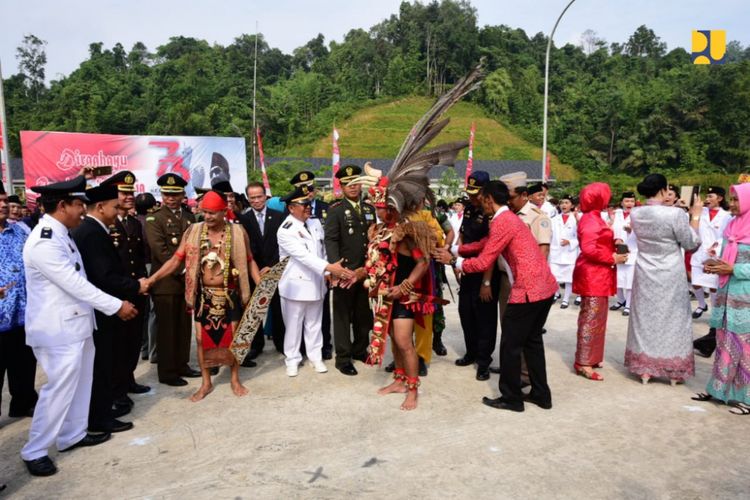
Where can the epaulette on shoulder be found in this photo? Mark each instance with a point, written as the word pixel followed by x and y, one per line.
pixel 287 225
pixel 150 218
pixel 335 204
pixel 46 233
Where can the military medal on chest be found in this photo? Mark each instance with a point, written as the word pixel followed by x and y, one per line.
pixel 115 235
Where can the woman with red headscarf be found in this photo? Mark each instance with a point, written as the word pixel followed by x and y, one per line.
pixel 594 278
pixel 730 378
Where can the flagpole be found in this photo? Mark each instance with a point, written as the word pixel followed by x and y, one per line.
pixel 255 72
pixel 4 157
pixel 546 90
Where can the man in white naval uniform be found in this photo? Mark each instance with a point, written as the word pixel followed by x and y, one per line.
pixel 713 221
pixel 625 235
pixel 59 327
pixel 302 286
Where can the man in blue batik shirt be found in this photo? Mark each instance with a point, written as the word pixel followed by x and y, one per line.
pixel 15 356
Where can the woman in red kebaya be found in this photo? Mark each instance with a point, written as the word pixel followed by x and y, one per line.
pixel 594 278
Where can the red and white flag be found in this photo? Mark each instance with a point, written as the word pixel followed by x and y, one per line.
pixel 470 160
pixel 3 178
pixel 266 184
pixel 336 162
pixel 547 170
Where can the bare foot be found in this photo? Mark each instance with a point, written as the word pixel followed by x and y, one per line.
pixel 397 386
pixel 238 389
pixel 410 402
pixel 201 393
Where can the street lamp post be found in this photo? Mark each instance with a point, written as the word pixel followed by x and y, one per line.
pixel 546 91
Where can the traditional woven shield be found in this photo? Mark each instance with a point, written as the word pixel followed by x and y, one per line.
pixel 256 310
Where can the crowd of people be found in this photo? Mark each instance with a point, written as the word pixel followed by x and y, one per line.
pixel 99 277
pixel 108 259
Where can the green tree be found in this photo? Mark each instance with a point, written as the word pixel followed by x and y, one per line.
pixel 32 58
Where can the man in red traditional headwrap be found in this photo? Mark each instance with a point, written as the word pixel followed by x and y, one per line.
pixel 218 262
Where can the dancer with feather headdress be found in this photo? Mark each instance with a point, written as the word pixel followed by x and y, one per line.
pixel 399 250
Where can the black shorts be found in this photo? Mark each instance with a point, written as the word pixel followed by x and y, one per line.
pixel 400 311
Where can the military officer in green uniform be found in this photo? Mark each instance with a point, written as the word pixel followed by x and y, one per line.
pixel 346 227
pixel 164 230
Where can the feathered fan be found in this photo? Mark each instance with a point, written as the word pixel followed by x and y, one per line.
pixel 407 180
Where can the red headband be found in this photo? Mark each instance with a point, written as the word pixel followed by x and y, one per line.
pixel 212 201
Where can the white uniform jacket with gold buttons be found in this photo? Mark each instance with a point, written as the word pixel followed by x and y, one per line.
pixel 303 243
pixel 61 301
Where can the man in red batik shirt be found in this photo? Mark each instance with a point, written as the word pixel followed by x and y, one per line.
pixel 533 288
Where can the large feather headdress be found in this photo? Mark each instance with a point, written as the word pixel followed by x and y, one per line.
pixel 407 183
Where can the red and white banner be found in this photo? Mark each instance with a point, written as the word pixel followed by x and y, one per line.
pixel 266 184
pixel 336 162
pixel 547 169
pixel 470 159
pixel 56 156
pixel 3 166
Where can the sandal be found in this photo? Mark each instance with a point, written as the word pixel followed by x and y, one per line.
pixel 591 375
pixel 739 409
pixel 702 396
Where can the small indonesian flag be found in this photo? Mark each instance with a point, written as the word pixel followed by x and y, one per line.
pixel 266 184
pixel 470 160
pixel 336 162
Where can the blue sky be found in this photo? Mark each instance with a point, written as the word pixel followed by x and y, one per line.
pixel 70 25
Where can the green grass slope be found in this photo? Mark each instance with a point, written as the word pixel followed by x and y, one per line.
pixel 378 131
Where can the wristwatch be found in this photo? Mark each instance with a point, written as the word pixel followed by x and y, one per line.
pixel 486 283
pixel 454 260
pixel 696 218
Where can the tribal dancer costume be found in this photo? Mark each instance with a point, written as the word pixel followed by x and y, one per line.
pixel 404 191
pixel 384 265
pixel 215 308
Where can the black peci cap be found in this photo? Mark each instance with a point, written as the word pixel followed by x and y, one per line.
pixel 101 193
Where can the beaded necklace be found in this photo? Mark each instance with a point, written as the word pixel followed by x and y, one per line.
pixel 206 246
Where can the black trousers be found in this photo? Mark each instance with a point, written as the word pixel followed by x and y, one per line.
pixel 100 407
pixel 172 335
pixel 352 322
pixel 127 349
pixel 277 328
pixel 522 333
pixel 326 323
pixel 478 319
pixel 18 360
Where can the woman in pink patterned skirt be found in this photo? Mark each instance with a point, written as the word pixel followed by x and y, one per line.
pixel 594 278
